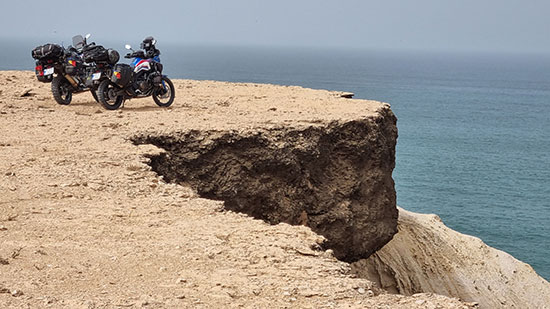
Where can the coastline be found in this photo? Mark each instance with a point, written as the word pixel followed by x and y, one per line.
pixel 79 199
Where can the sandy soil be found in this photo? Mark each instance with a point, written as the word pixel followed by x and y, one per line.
pixel 85 223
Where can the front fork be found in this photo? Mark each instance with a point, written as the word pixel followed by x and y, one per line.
pixel 163 84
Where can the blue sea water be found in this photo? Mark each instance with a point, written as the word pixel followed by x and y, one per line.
pixel 474 138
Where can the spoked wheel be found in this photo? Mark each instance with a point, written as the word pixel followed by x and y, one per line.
pixel 107 95
pixel 165 94
pixel 62 90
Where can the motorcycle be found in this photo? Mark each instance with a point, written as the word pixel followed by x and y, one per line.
pixel 87 64
pixel 141 79
pixel 79 68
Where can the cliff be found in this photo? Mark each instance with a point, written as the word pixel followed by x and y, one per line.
pixel 335 178
pixel 427 256
pixel 239 195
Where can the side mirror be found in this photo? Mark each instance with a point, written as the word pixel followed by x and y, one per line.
pixel 128 46
pixel 87 36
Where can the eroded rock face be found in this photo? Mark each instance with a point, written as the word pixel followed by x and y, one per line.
pixel 428 257
pixel 335 178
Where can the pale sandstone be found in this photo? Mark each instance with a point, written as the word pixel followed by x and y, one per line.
pixel 427 256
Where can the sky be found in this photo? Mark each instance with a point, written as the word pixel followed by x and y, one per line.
pixel 433 25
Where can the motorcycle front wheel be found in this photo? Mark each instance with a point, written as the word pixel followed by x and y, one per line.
pixel 165 94
pixel 94 94
pixel 106 93
pixel 62 90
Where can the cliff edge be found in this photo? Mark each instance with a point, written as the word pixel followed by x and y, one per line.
pixel 335 178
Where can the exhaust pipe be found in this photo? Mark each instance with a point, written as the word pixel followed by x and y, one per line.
pixel 71 80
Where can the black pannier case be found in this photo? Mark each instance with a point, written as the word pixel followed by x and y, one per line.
pixel 47 51
pixel 122 73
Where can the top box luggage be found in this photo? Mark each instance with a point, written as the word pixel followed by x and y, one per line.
pixel 47 51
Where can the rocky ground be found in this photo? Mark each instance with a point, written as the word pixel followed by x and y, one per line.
pixel 86 223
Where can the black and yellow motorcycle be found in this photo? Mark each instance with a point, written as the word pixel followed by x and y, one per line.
pixel 78 68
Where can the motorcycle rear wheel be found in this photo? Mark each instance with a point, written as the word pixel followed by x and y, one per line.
pixel 166 92
pixel 107 97
pixel 62 90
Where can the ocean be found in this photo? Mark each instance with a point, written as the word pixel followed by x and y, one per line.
pixel 474 137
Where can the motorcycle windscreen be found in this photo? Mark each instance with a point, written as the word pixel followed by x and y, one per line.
pixel 78 41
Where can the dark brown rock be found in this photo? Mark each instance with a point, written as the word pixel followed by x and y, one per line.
pixel 336 178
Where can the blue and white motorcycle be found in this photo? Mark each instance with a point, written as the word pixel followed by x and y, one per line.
pixel 141 79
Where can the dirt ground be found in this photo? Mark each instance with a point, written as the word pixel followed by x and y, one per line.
pixel 85 223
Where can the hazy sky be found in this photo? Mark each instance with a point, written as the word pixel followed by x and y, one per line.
pixel 455 25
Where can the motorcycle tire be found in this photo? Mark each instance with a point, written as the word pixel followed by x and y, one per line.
pixel 105 98
pixel 94 94
pixel 160 93
pixel 61 90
